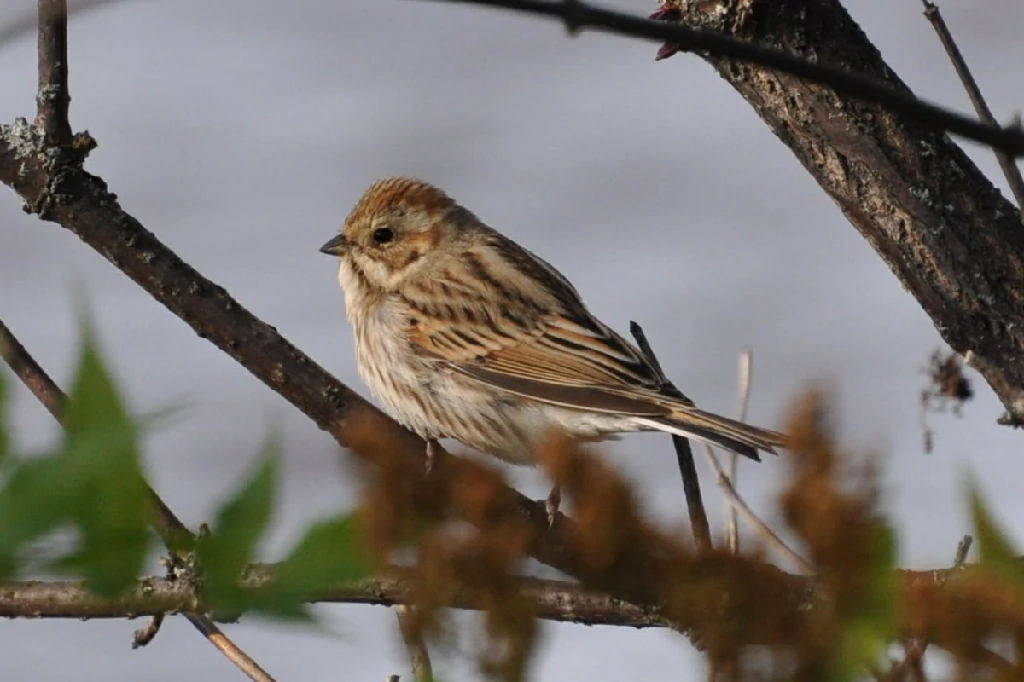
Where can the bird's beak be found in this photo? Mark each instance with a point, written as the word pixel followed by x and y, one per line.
pixel 336 246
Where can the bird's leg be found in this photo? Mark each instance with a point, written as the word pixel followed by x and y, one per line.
pixel 552 504
pixel 432 446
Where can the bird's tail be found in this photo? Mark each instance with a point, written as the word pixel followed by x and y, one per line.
pixel 723 432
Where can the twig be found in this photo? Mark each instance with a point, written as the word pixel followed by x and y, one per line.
pixel 31 374
pixel 963 548
pixel 231 651
pixel 732 533
pixel 52 99
pixel 1006 163
pixel 579 16
pixel 419 656
pixel 759 526
pixel 144 635
pixel 684 456
pixel 173 532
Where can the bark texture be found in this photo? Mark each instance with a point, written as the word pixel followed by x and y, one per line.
pixel 955 243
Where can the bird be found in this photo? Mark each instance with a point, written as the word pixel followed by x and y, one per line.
pixel 462 333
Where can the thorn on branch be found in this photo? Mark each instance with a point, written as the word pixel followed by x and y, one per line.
pixel 573 16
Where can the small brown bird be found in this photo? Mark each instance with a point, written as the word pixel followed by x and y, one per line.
pixel 462 333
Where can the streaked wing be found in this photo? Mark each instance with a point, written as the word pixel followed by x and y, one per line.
pixel 533 336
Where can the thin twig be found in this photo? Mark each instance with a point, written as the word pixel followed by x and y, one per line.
pixel 231 651
pixel 52 99
pixel 419 656
pixel 963 548
pixel 732 532
pixel 1006 162
pixel 170 528
pixel 1009 139
pixel 684 456
pixel 144 635
pixel 756 524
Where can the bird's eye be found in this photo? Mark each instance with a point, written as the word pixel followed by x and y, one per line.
pixel 383 235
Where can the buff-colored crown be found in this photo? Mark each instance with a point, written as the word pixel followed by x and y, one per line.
pixel 398 195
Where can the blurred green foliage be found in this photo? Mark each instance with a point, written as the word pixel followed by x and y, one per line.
pixel 92 483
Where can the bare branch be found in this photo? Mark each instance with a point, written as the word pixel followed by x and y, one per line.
pixel 174 533
pixel 758 526
pixel 52 99
pixel 579 16
pixel 1006 162
pixel 231 651
pixel 560 601
pixel 732 533
pixel 419 656
pixel 551 600
pixel 684 456
pixel 31 374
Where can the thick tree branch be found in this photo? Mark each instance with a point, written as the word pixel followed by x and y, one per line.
pixel 946 232
pixel 707 35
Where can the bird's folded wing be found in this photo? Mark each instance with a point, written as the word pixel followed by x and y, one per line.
pixel 577 362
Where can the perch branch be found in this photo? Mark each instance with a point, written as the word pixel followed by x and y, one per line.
pixel 554 600
pixel 551 599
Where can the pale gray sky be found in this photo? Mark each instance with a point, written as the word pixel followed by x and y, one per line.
pixel 242 131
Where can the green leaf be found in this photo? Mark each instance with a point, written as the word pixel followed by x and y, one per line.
pixel 870 625
pixel 34 501
pixel 5 441
pixel 331 552
pixel 109 497
pixel 240 523
pixel 994 548
pixel 92 482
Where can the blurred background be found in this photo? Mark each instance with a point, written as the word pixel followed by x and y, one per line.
pixel 242 131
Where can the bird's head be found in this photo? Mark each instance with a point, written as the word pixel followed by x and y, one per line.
pixel 399 229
